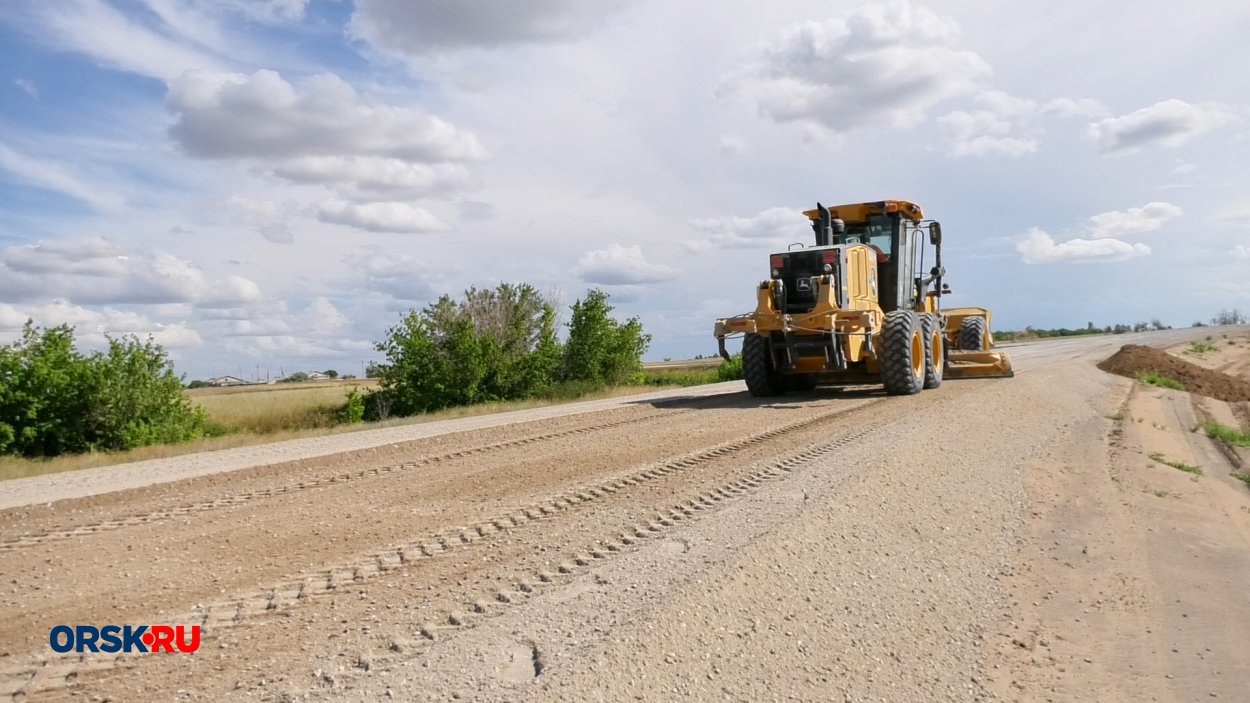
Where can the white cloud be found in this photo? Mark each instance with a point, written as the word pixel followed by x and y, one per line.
pixel 1171 123
pixel 99 271
pixel 325 133
pixel 1241 252
pixel 432 26
pixel 298 347
pixel 267 11
pixel 879 65
pixel 267 327
pixel 381 217
pixel 982 133
pixel 1184 169
pixel 184 19
pixel 475 211
pixel 403 277
pixel 773 226
pixel 230 291
pixel 57 177
pixel 28 86
pixel 1135 220
pixel 1001 103
pixel 374 176
pixel 1104 242
pixel 733 145
pixel 270 218
pixel 320 330
pixel 93 327
pixel 1075 107
pixel 99 30
pixel 621 265
pixel 1038 247
pixel 322 319
pixel 232 116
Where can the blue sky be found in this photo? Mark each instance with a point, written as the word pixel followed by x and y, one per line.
pixel 273 183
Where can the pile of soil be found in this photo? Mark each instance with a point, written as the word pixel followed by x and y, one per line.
pixel 1133 359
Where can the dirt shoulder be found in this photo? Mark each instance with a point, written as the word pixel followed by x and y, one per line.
pixel 1132 573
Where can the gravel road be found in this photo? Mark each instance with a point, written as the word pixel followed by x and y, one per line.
pixel 697 545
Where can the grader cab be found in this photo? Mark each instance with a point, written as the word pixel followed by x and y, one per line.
pixel 858 308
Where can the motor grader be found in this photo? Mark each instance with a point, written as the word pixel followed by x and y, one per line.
pixel 857 308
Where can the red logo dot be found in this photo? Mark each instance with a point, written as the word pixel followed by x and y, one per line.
pixel 148 638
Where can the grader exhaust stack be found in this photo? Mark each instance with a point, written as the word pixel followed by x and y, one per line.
pixel 859 308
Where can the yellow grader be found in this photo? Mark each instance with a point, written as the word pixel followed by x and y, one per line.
pixel 858 309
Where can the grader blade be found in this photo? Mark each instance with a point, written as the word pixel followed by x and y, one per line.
pixel 978 364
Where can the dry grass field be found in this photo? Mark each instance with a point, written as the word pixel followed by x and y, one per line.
pixel 273 408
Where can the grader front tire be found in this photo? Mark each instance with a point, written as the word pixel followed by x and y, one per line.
pixel 903 353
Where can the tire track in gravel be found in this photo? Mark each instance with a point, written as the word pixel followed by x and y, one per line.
pixel 68 532
pixel 630 537
pixel 47 672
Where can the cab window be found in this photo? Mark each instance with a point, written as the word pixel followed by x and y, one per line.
pixel 877 231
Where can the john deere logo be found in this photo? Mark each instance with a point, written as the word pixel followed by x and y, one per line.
pixel 804 284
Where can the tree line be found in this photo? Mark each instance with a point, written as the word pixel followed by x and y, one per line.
pixel 1031 332
pixel 1227 316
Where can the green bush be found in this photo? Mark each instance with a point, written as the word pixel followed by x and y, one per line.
pixel 54 400
pixel 492 345
pixel 601 350
pixel 354 410
pixel 500 344
pixel 730 370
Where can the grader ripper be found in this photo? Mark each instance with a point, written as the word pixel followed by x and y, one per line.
pixel 856 309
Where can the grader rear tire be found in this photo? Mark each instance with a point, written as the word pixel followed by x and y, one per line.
pixel 934 351
pixel 757 368
pixel 903 353
pixel 972 334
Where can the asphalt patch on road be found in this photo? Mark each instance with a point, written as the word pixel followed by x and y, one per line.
pixel 1135 359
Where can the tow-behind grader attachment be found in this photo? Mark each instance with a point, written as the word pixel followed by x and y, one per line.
pixel 968 341
pixel 856 309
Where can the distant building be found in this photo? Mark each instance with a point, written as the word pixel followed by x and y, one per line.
pixel 317 376
pixel 227 381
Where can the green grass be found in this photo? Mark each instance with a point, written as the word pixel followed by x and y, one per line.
pixel 680 377
pixel 692 375
pixel 1200 348
pixel 1178 465
pixel 1154 378
pixel 1226 434
pixel 1244 478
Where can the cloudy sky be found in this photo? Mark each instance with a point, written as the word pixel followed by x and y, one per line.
pixel 273 183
